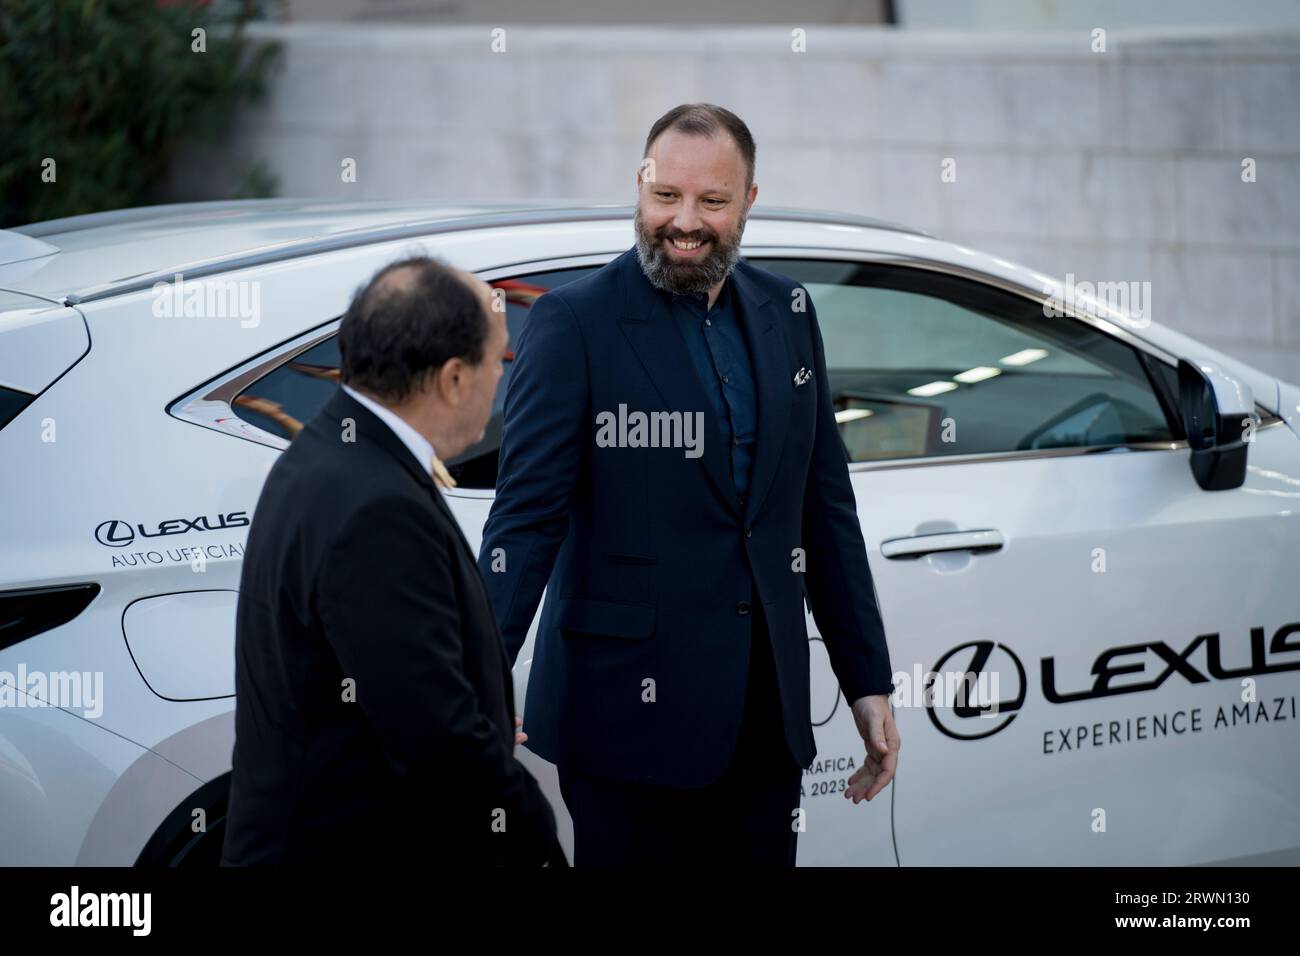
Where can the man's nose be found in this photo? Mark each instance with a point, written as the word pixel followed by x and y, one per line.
pixel 687 220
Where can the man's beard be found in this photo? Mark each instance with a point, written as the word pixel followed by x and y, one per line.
pixel 686 277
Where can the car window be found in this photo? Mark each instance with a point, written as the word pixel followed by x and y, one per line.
pixel 286 398
pixel 12 402
pixel 922 364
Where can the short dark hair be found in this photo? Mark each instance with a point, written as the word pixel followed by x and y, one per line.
pixel 705 119
pixel 405 324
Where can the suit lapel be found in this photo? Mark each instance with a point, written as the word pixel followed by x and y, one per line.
pixel 441 504
pixel 767 348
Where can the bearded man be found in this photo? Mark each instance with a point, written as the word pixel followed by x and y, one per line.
pixel 670 677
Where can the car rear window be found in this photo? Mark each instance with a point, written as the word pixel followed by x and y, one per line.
pixel 12 402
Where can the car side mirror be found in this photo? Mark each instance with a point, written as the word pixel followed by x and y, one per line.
pixel 1219 418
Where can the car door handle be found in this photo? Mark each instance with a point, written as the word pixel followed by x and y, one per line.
pixel 916 545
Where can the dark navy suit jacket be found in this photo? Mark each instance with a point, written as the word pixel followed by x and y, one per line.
pixel 650 565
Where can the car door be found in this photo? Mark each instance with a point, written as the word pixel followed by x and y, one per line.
pixel 1116 649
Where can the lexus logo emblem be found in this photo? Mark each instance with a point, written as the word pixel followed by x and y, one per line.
pixel 118 534
pixel 989 666
pixel 114 533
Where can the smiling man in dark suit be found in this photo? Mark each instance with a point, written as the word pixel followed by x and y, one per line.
pixel 374 711
pixel 670 677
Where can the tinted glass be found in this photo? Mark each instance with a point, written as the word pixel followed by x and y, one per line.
pixel 925 364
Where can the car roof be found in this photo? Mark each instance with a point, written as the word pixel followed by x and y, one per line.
pixel 102 254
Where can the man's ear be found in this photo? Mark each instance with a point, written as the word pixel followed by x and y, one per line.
pixel 451 379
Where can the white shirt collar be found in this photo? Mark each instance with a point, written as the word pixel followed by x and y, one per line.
pixel 417 443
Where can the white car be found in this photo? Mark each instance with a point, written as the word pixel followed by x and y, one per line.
pixel 1124 602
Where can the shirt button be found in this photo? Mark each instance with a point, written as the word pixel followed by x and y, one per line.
pixel 726 380
pixel 749 533
pixel 742 608
pixel 708 321
pixel 735 441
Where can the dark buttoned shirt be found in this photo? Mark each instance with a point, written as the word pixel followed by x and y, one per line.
pixel 717 346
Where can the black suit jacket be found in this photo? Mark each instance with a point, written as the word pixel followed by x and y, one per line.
pixel 651 564
pixel 357 576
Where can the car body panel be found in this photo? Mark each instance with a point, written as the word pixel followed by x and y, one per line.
pixel 40 341
pixel 1102 552
pixel 75 793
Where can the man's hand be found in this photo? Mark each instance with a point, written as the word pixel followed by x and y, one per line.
pixel 520 736
pixel 876 725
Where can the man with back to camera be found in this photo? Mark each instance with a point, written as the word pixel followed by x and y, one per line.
pixel 670 677
pixel 374 710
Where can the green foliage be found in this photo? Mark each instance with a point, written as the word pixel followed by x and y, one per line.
pixel 109 89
